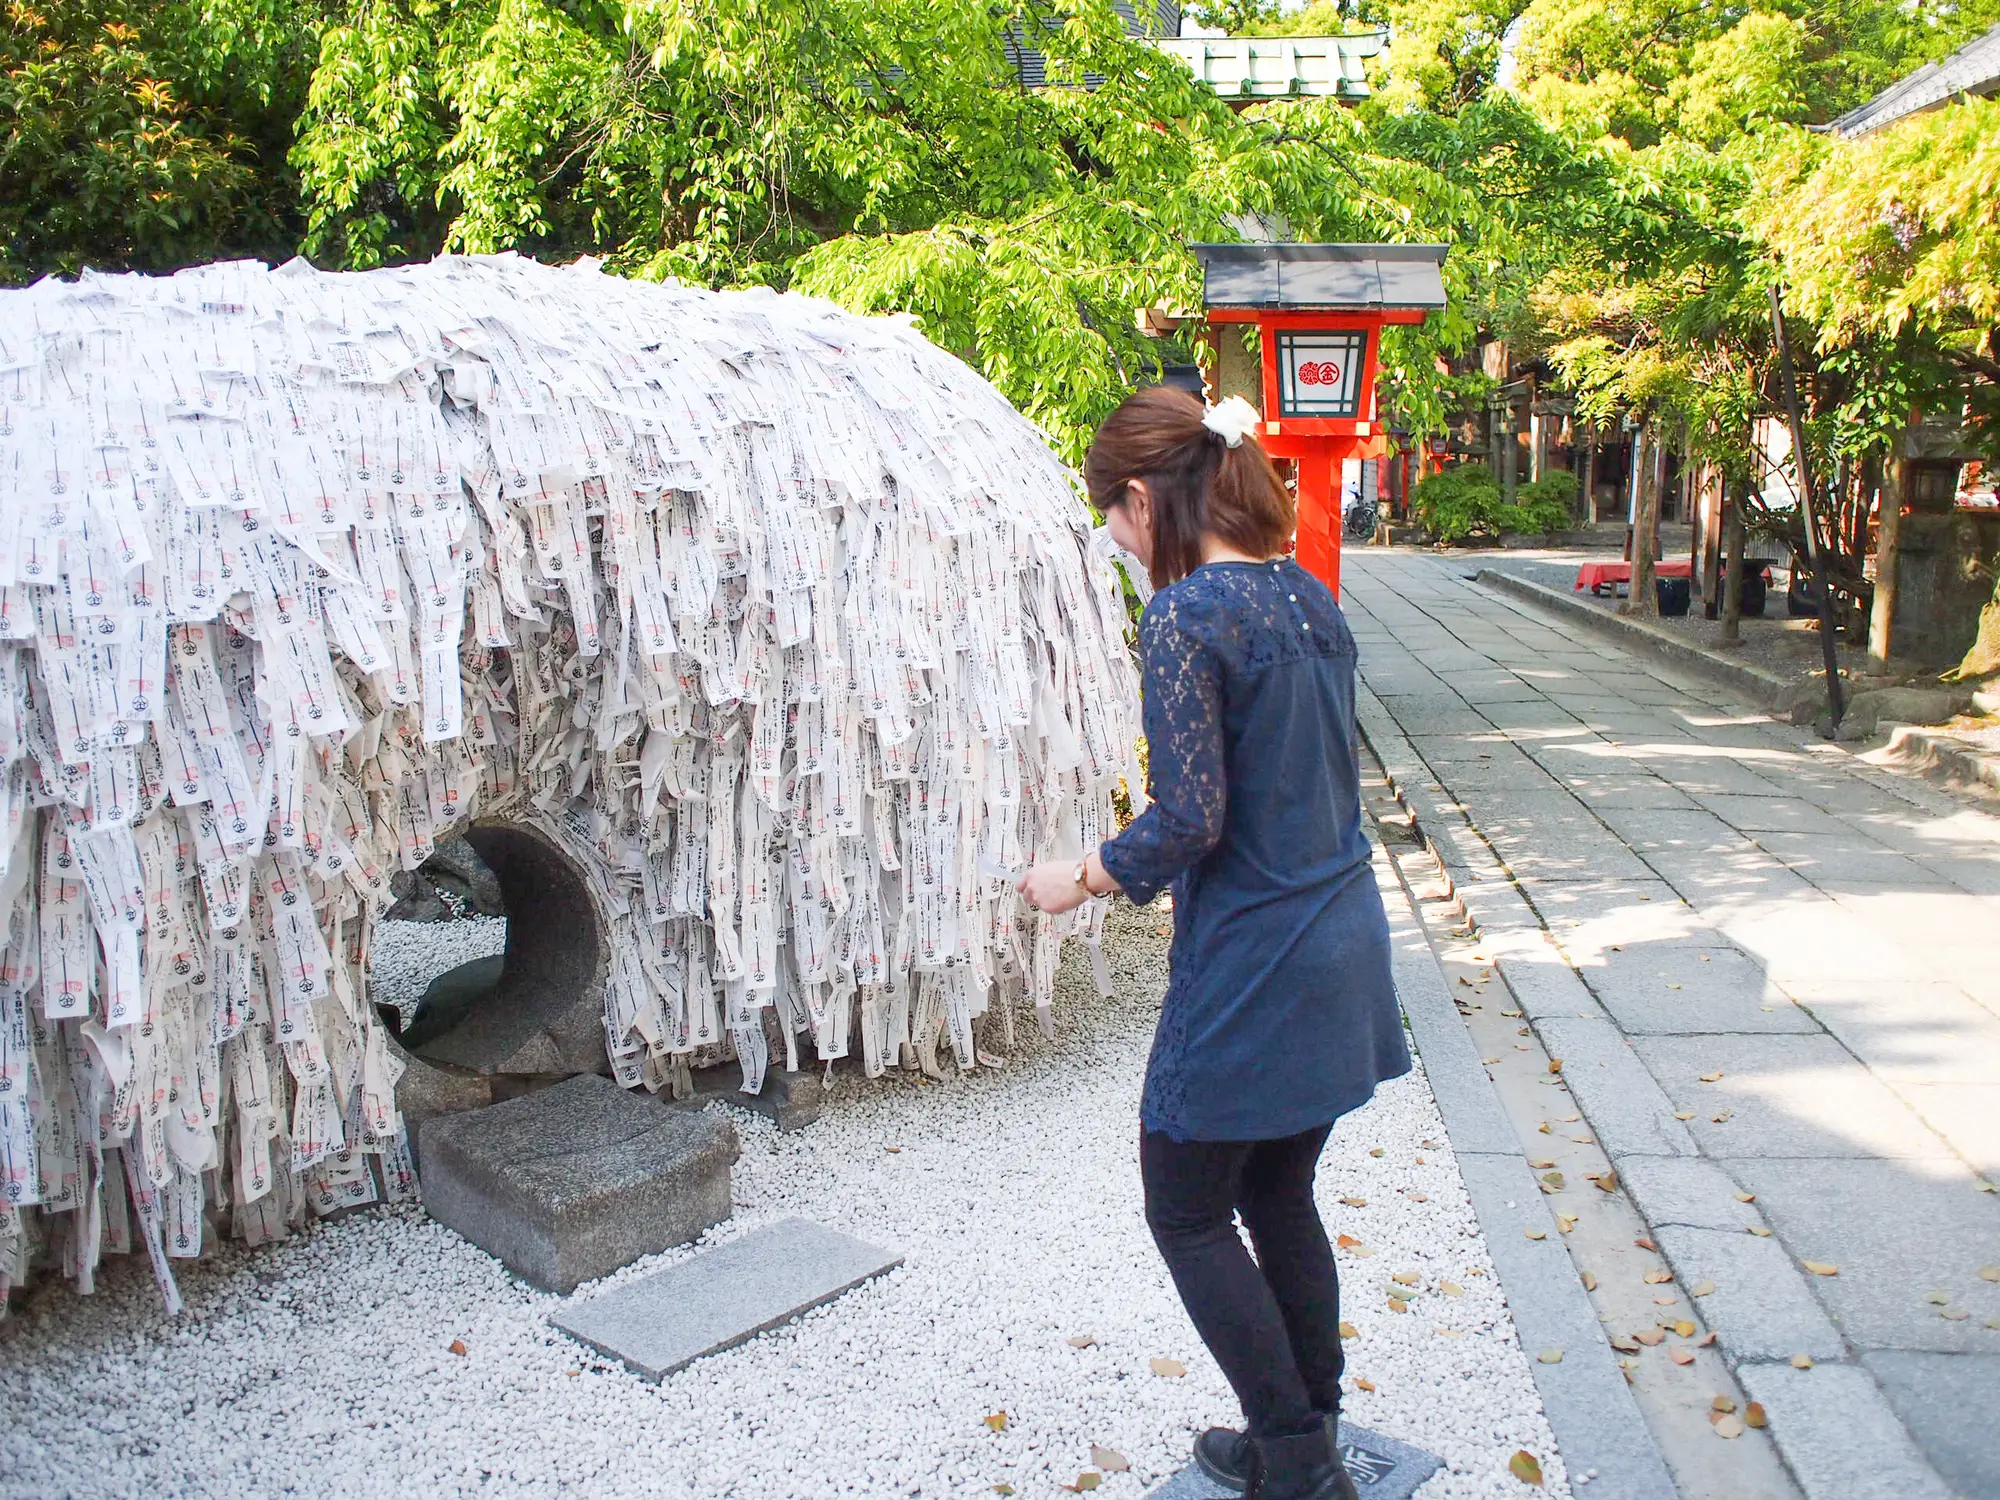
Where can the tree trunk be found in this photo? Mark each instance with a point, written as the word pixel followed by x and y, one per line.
pixel 1642 599
pixel 1732 579
pixel 1590 479
pixel 1888 549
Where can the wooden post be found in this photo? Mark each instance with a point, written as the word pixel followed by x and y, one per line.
pixel 1732 585
pixel 1888 551
pixel 1634 483
pixel 1713 501
pixel 1590 478
pixel 1319 515
pixel 1641 599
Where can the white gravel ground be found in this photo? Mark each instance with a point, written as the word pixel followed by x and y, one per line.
pixel 323 1367
pixel 404 957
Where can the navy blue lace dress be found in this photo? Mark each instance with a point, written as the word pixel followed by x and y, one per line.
pixel 1281 1011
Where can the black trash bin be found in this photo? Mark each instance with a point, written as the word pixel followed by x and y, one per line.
pixel 1673 594
pixel 1756 581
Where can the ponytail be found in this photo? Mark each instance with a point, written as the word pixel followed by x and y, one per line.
pixel 1200 485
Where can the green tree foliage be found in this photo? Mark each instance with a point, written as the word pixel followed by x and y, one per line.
pixel 147 135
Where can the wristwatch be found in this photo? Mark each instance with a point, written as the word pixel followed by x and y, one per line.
pixel 1081 875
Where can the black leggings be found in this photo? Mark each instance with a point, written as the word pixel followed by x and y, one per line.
pixel 1273 1324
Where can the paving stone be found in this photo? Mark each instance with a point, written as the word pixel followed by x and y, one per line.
pixel 1910 1030
pixel 1438 716
pixel 1472 1112
pixel 723 1297
pixel 1773 814
pixel 1798 934
pixel 1839 1435
pixel 1626 1107
pixel 1631 789
pixel 1687 830
pixel 1850 860
pixel 1784 1096
pixel 1898 1231
pixel 1544 985
pixel 1382 1469
pixel 1938 1396
pixel 1667 989
pixel 1967 1115
pixel 1589 1405
pixel 573 1181
pixel 1685 1190
pixel 1761 1307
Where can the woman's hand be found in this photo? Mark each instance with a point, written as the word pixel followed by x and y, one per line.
pixel 1051 886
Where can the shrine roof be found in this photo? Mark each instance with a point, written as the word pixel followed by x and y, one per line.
pixel 1313 277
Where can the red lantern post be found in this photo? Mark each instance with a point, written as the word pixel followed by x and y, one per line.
pixel 1319 311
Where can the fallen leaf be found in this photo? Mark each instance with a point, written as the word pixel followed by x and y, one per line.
pixel 1419 1197
pixel 1565 1222
pixel 1729 1427
pixel 1544 1128
pixel 1536 1234
pixel 1450 1333
pixel 1702 1288
pixel 1821 1267
pixel 1355 1202
pixel 1083 1341
pixel 1489 1061
pixel 1451 1289
pixel 1003 1489
pixel 1724 1117
pixel 997 1421
pixel 1760 1231
pixel 1171 1369
pixel 1590 1281
pixel 1348 1330
pixel 1540 1162
pixel 1555 1065
pixel 1648 1336
pixel 1110 1460
pixel 1550 1356
pixel 1673 986
pixel 572 1372
pixel 1705 1340
pixel 1658 1278
pixel 1753 1415
pixel 1164 929
pixel 1746 1197
pixel 1645 1244
pixel 893 1150
pixel 1087 1480
pixel 1624 1343
pixel 1378 1151
pixel 1802 1362
pixel 458 1346
pixel 1723 1405
pixel 1680 1356
pixel 1361 1384
pixel 1553 1181
pixel 1989 1273
pixel 1608 1181
pixel 1346 1241
pixel 1407 1278
pixel 1569 1119
pixel 1683 1114
pixel 1714 1077
pixel 1525 1467
pixel 1665 1301
pixel 1396 1304
pixel 1511 1014
pixel 1685 1328
pixel 1954 1315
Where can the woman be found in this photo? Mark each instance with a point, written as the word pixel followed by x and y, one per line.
pixel 1280 1015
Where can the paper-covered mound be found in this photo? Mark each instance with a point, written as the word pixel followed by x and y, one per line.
pixel 778 628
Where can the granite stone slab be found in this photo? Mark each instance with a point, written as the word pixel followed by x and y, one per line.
pixel 1760 1308
pixel 1839 1434
pixel 573 1181
pixel 1382 1469
pixel 1626 1107
pixel 1667 989
pixel 722 1297
pixel 1939 1397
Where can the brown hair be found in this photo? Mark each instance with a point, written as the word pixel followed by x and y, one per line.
pixel 1199 484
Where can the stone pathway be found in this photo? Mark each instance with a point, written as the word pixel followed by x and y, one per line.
pixel 1767 971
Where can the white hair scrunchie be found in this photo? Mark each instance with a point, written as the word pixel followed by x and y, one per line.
pixel 1231 419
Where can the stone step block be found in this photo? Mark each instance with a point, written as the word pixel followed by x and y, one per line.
pixel 723 1297
pixel 573 1181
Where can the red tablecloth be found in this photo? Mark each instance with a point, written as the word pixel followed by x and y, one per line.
pixel 1594 576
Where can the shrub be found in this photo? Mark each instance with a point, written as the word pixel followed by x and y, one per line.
pixel 1464 503
pixel 1549 504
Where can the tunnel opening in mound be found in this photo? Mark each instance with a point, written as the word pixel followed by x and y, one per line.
pixel 537 1007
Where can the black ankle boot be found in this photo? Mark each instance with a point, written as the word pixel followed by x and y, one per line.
pixel 1224 1454
pixel 1304 1467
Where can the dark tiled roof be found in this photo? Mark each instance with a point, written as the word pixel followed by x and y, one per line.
pixel 1310 276
pixel 1972 69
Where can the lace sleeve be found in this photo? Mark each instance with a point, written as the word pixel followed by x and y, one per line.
pixel 1183 716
